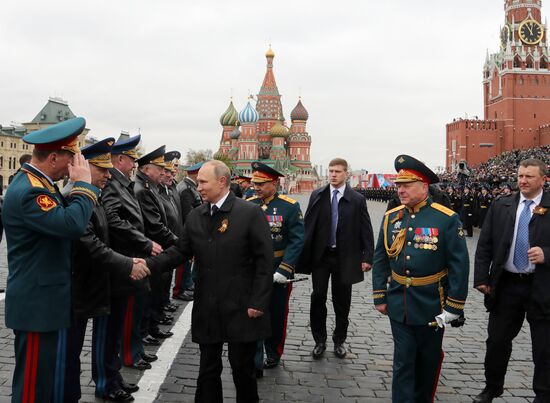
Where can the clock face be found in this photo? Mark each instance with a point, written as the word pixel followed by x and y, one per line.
pixel 530 32
pixel 505 35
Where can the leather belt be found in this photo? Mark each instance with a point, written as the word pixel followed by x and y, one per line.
pixel 278 253
pixel 419 281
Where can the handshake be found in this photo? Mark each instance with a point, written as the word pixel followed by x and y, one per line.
pixel 139 269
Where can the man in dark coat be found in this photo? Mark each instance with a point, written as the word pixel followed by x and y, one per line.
pixel 339 243
pixel 148 178
pixel 189 199
pixel 126 232
pixel 231 242
pixel 512 269
pixel 467 212
pixel 93 263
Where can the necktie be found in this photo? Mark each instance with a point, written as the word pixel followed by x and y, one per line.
pixel 521 260
pixel 334 218
pixel 214 209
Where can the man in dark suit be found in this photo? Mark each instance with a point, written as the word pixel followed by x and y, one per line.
pixel 339 242
pixel 512 269
pixel 231 242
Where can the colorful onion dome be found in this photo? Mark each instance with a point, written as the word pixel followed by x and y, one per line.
pixel 248 115
pixel 299 112
pixel 229 117
pixel 235 133
pixel 270 53
pixel 278 130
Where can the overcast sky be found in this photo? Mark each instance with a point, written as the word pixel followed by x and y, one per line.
pixel 378 78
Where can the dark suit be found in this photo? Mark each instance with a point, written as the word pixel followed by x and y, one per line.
pixel 355 245
pixel 513 295
pixel 234 264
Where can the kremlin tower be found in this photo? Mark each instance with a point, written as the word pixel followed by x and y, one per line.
pixel 264 136
pixel 516 92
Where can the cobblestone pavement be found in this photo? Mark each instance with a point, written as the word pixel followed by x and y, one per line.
pixel 363 376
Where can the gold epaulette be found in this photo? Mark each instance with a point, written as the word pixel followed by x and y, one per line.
pixel 35 182
pixel 252 198
pixel 443 209
pixel 287 199
pixel 393 210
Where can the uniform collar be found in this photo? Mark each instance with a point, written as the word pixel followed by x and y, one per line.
pixel 419 206
pixel 270 198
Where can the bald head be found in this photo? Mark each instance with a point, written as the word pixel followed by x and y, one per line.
pixel 213 181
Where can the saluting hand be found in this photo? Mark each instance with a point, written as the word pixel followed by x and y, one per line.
pixel 254 313
pixel 79 169
pixel 139 269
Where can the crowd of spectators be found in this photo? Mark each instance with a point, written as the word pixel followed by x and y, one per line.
pixel 499 170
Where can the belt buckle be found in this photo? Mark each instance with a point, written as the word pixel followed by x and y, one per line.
pixel 408 282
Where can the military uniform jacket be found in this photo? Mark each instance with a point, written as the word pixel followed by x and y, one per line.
pixel 94 263
pixel 40 227
pixel 154 215
pixel 172 209
pixel 468 206
pixel 494 247
pixel 434 241
pixel 234 265
pixel 126 229
pixel 287 231
pixel 189 197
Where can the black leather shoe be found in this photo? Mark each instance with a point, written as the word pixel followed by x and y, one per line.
pixel 318 350
pixel 148 358
pixel 259 373
pixel 170 308
pixel 339 350
pixel 150 341
pixel 165 321
pixel 270 363
pixel 117 396
pixel 159 334
pixel 487 395
pixel 141 365
pixel 185 296
pixel 128 387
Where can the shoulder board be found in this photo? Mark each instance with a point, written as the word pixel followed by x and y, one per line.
pixel 35 182
pixel 393 210
pixel 443 209
pixel 287 199
pixel 252 198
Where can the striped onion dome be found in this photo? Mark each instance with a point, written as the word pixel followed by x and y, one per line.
pixel 248 114
pixel 299 112
pixel 229 117
pixel 235 133
pixel 278 130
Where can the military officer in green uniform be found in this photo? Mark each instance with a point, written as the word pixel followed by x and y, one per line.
pixel 40 227
pixel 246 187
pixel 420 280
pixel 287 232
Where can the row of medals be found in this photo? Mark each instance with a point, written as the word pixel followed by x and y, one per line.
pixel 276 227
pixel 425 242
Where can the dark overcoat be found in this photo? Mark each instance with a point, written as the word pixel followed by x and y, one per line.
pixel 354 236
pixel 234 270
pixel 494 246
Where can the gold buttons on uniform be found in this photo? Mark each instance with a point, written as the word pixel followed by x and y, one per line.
pixel 408 244
pixel 413 216
pixel 408 258
pixel 410 229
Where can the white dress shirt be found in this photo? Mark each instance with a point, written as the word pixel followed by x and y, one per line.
pixel 340 192
pixel 509 266
pixel 219 203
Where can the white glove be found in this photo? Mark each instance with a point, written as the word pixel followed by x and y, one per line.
pixel 279 278
pixel 445 317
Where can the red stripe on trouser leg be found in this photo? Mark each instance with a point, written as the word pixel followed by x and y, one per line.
pixel 179 278
pixel 281 346
pixel 36 352
pixel 28 361
pixel 436 381
pixel 127 348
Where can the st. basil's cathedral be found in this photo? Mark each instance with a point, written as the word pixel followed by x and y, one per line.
pixel 260 133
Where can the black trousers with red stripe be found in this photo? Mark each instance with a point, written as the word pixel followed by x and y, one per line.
pixel 35 357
